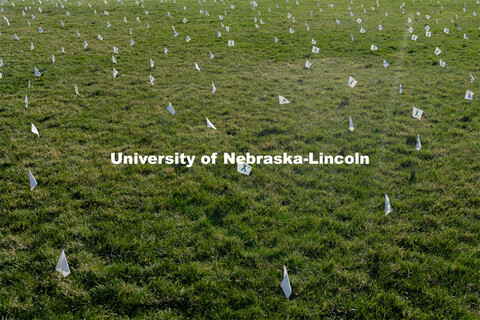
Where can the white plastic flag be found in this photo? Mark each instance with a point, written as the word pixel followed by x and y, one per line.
pixel 115 73
pixel 187 39
pixel 152 64
pixel 211 55
pixel 33 182
pixel 401 89
pixel 15 36
pixel 197 67
pixel 388 206
pixel 210 125
pixel 428 34
pixel 315 49
pixel 373 47
pixel 62 265
pixel 417 113
pixel 26 101
pixel 414 37
pixel 244 168
pixel 350 124
pixel 100 37
pixel 385 63
pixel 471 78
pixel 37 73
pixel 442 64
pixel 282 100
pixel 285 285
pixel 35 130
pixel 114 60
pixel 85 44
pixel 115 49
pixel 352 82
pixel 170 109
pixel 31 46
pixel 418 146
pixel 469 95
pixel 213 88
pixel 437 51
pixel 53 58
pixel 151 79
pixel 231 43
pixel 276 39
pixel 308 64
pixel 76 90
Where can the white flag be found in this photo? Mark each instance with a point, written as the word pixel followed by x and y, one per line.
pixel 276 39
pixel 282 100
pixel 85 44
pixel 115 49
pixel 414 37
pixel 388 206
pixel 418 146
pixel 442 64
pixel 471 78
pixel 187 39
pixel 308 64
pixel 350 124
pixel 352 82
pixel 31 46
pixel 285 285
pixel 76 90
pixel 315 49
pixel 213 88
pixel 114 60
pixel 37 73
pixel 152 64
pixel 244 168
pixel 35 131
pixel 231 43
pixel 197 67
pixel 385 63
pixel 115 73
pixel 437 51
pixel 33 182
pixel 26 101
pixel 62 265
pixel 373 47
pixel 53 58
pixel 211 55
pixel 469 95
pixel 417 113
pixel 170 109
pixel 152 79
pixel 210 125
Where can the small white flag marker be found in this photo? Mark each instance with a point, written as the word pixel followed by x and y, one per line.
pixel 231 43
pixel 170 109
pixel 285 285
pixel 197 67
pixel 210 125
pixel 62 265
pixel 35 130
pixel 76 90
pixel 388 206
pixel 33 182
pixel 350 124
pixel 36 72
pixel 418 146
pixel 213 88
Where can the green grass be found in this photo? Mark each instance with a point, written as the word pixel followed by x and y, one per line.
pixel 170 242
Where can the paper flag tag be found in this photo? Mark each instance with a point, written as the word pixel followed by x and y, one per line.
pixel 282 100
pixel 352 82
pixel 244 168
pixel 469 95
pixel 35 131
pixel 417 113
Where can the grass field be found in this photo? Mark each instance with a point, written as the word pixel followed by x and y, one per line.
pixel 170 242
